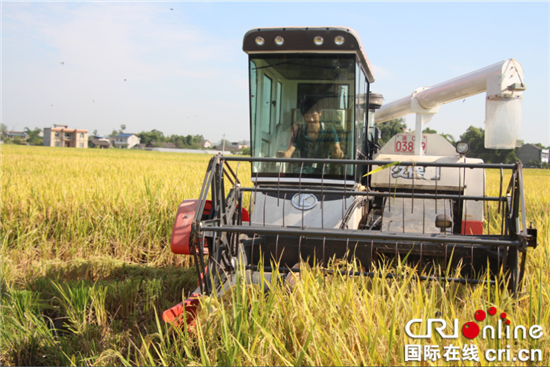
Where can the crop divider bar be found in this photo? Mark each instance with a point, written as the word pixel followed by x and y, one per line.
pixel 286 270
pixel 377 194
pixel 228 176
pixel 363 235
pixel 233 174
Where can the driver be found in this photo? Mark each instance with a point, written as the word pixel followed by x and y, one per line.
pixel 314 139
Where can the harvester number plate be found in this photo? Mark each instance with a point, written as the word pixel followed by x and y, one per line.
pixel 404 143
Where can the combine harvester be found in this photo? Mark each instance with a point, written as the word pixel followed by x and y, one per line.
pixel 323 187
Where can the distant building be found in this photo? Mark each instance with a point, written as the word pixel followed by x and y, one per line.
pixel 17 134
pixel 100 143
pixel 62 136
pixel 205 144
pixel 531 152
pixel 240 146
pixel 126 140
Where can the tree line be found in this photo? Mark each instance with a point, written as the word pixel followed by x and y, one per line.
pixel 180 141
pixel 33 136
pixel 157 137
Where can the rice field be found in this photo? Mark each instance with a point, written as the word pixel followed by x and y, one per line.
pixel 87 270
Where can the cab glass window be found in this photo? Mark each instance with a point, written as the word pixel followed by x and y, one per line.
pixel 303 106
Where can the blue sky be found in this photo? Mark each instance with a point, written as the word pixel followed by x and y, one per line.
pixel 186 72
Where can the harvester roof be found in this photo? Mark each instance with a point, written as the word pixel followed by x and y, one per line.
pixel 307 39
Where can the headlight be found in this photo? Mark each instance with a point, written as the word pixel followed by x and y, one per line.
pixel 318 40
pixel 462 148
pixel 260 41
pixel 339 40
pixel 279 40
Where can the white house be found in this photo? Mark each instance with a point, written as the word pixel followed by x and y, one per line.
pixel 126 140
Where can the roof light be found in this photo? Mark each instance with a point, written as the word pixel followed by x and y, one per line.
pixel 462 148
pixel 279 40
pixel 260 41
pixel 339 40
pixel 318 40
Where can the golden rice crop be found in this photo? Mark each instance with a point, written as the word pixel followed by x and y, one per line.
pixel 63 204
pixel 86 270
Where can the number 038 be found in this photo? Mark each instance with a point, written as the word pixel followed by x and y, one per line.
pixel 407 146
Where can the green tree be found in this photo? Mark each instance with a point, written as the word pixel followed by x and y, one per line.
pixel 178 141
pixel 391 128
pixel 4 133
pixel 186 141
pixel 189 140
pixel 429 131
pixel 153 136
pixel 33 136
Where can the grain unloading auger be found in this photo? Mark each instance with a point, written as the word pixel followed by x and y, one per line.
pixel 322 186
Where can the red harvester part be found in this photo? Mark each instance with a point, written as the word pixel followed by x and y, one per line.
pixel 191 306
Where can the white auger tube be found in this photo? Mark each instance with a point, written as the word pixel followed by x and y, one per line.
pixel 504 85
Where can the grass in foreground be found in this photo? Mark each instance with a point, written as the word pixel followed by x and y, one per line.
pixel 321 320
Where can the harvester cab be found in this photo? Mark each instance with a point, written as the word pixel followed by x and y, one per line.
pixel 323 187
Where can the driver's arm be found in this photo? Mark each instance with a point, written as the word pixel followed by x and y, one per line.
pixel 291 145
pixel 287 153
pixel 337 152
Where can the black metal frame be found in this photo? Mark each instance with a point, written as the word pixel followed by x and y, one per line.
pixel 228 237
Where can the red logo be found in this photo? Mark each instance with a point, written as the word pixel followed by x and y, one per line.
pixel 470 329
